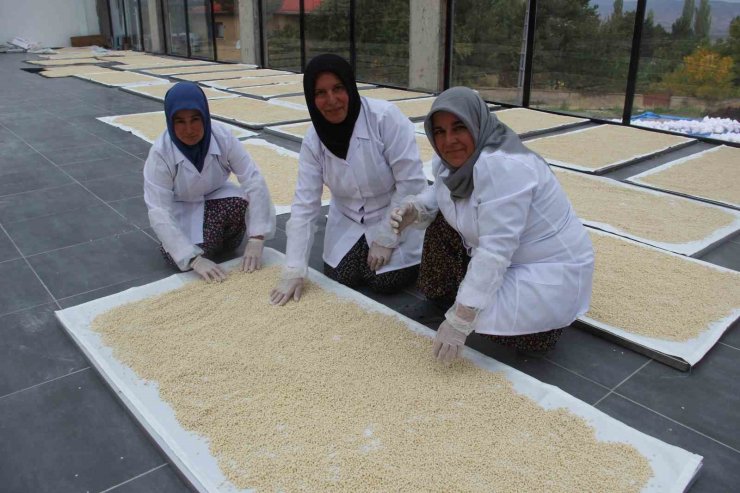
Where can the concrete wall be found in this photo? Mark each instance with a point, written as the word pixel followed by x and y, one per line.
pixel 49 22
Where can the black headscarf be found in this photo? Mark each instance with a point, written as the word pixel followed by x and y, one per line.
pixel 189 96
pixel 335 136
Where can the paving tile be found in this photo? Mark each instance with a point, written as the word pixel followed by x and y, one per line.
pixel 162 480
pixel 118 187
pixel 100 263
pixel 76 436
pixel 44 202
pixel 721 465
pixel 19 287
pixel 137 147
pixel 75 138
pixel 35 349
pixel 105 168
pixel 684 396
pixel 81 154
pixel 595 358
pixel 35 176
pixel 8 251
pixel 726 254
pixel 134 209
pixel 13 162
pixel 732 335
pixel 47 233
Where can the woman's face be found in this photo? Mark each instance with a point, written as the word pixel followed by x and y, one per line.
pixel 452 138
pixel 331 97
pixel 188 126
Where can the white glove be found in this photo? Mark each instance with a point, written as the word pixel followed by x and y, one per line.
pixel 378 256
pixel 210 271
pixel 252 259
pixel 403 216
pixel 286 289
pixel 451 334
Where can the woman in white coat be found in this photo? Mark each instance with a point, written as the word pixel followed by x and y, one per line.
pixel 194 210
pixel 365 151
pixel 507 251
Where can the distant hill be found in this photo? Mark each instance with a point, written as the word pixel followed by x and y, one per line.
pixel 665 13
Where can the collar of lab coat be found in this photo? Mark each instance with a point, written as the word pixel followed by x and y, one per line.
pixel 360 131
pixel 213 149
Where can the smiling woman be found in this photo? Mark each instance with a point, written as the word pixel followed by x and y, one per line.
pixel 194 210
pixel 364 150
pixel 503 245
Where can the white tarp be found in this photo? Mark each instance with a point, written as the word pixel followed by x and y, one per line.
pixel 674 468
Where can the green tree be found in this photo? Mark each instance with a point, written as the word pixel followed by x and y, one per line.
pixel 682 26
pixel 703 21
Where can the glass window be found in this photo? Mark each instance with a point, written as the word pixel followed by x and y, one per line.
pixel 226 20
pixel 152 26
pixel 327 28
pixel 689 67
pixel 201 35
pixel 176 28
pixel 282 34
pixel 489 46
pixel 133 29
pixel 118 25
pixel 581 56
pixel 382 41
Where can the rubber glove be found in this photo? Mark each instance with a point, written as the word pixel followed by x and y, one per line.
pixel 210 271
pixel 286 289
pixel 451 334
pixel 378 256
pixel 252 258
pixel 402 216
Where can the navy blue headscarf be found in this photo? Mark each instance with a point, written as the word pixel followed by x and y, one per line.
pixel 189 96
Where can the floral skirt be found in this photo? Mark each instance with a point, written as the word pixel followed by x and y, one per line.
pixel 353 271
pixel 223 227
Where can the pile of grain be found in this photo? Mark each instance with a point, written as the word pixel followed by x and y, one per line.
pixel 323 395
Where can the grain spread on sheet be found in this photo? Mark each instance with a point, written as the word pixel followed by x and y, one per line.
pixel 324 395
pixel 656 294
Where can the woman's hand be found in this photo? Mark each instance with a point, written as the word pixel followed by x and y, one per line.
pixel 402 216
pixel 378 256
pixel 286 289
pixel 209 271
pixel 451 334
pixel 252 259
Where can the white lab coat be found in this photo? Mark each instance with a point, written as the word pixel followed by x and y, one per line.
pixel 382 167
pixel 532 262
pixel 175 193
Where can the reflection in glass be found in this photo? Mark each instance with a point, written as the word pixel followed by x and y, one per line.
pixel 690 68
pixel 327 28
pixel 382 41
pixel 226 25
pixel 133 29
pixel 488 55
pixel 152 26
pixel 176 28
pixel 116 17
pixel 282 33
pixel 199 21
pixel 581 56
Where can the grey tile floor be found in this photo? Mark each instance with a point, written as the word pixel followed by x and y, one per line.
pixel 73 227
